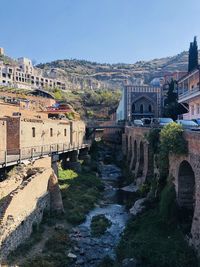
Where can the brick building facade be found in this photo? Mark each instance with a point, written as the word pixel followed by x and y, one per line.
pixel 140 102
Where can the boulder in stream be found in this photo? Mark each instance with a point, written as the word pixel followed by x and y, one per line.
pixel 138 207
pixel 132 188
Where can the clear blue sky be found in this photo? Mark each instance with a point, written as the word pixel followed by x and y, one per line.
pixel 98 30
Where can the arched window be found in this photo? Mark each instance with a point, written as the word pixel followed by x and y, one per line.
pixel 141 108
pixel 133 108
pixel 150 108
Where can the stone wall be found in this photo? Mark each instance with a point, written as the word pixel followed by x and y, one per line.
pixel 112 135
pixel 26 133
pixel 24 206
pixel 13 180
pixel 136 150
pixel 13 139
pixel 185 194
pixel 24 229
pixel 2 136
pixel 184 170
pixel 2 139
pixel 77 132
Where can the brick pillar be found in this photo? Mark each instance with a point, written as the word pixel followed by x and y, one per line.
pixel 56 203
pixel 73 162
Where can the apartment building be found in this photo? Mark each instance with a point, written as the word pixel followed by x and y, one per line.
pixel 21 73
pixel 189 94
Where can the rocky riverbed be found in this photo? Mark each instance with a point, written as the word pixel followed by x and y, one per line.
pixel 89 250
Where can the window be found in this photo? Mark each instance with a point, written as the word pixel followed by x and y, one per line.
pixel 33 132
pixel 192 110
pixel 141 108
pixel 51 132
pixel 150 108
pixel 133 108
pixel 65 132
pixel 198 108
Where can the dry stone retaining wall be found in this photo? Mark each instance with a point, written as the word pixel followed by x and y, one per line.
pixel 23 207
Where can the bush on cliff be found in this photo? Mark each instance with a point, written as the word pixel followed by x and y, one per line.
pixel 171 141
pixel 163 142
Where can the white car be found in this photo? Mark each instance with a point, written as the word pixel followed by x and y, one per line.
pixel 138 123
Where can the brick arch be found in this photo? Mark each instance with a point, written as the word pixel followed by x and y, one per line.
pixel 145 97
pixel 138 134
pixel 127 145
pixel 130 148
pixel 182 166
pixel 135 155
pixel 141 159
pixel 186 186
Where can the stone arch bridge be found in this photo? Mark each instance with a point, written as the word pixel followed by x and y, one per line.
pixel 185 171
pixel 137 152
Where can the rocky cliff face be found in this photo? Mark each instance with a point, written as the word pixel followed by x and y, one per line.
pixel 81 74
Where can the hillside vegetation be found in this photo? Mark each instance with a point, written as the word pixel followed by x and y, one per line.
pixel 91 104
pixel 82 74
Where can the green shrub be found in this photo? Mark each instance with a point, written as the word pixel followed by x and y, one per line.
pixel 58 94
pixel 171 141
pixel 155 243
pixel 167 205
pixel 99 225
pixel 153 138
pixel 144 189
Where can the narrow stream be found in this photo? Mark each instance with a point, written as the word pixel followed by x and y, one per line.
pixel 91 250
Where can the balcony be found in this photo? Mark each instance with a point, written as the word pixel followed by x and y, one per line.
pixel 186 95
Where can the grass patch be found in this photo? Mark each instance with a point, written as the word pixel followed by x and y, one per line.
pixel 155 243
pixel 80 192
pixel 54 253
pixel 99 225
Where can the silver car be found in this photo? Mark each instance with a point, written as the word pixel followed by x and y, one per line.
pixel 188 124
pixel 138 123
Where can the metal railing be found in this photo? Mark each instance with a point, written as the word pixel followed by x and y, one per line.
pixel 188 93
pixel 16 155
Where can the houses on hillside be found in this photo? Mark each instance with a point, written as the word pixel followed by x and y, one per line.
pixel 21 73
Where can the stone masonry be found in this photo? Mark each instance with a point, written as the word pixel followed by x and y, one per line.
pixel 185 171
pixel 24 196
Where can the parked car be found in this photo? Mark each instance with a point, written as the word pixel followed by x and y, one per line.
pixel 161 121
pixel 188 124
pixel 146 121
pixel 197 121
pixel 138 123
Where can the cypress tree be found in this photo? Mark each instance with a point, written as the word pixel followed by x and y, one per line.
pixel 171 106
pixel 193 55
pixel 190 58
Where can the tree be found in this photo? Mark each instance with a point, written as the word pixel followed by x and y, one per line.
pixel 171 102
pixel 171 106
pixel 193 55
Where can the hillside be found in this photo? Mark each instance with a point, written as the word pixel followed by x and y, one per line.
pixel 81 74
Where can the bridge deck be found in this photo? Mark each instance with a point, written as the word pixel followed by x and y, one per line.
pixel 16 156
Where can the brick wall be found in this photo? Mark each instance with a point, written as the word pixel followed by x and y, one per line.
pixel 13 138
pixel 2 135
